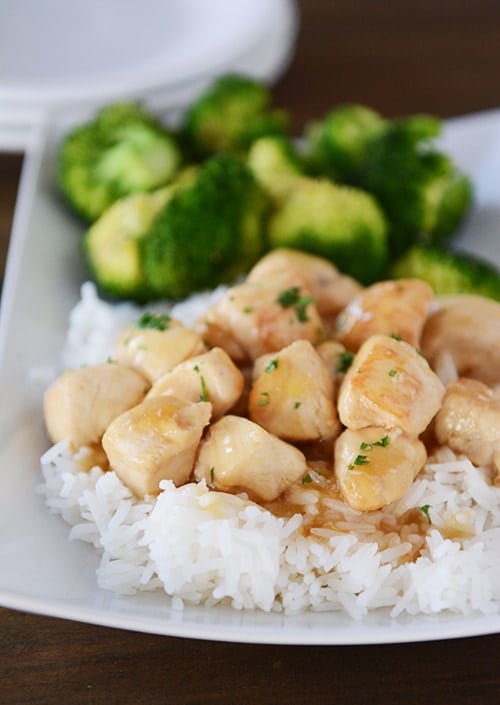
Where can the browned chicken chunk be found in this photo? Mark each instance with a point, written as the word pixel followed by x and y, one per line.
pixel 255 318
pixel 467 327
pixel 390 307
pixel 389 384
pixel 238 455
pixel 156 348
pixel 156 440
pixel 81 404
pixel 293 395
pixel 375 466
pixel 212 377
pixel 469 422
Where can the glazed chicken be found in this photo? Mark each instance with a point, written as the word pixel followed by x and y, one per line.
pixel 212 377
pixel 467 328
pixel 156 346
pixel 469 422
pixel 293 394
pixel 156 440
pixel 255 318
pixel 261 391
pixel 238 455
pixel 81 403
pixel 331 290
pixel 389 384
pixel 392 307
pixel 375 466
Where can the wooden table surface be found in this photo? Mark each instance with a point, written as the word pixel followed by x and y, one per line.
pixel 427 55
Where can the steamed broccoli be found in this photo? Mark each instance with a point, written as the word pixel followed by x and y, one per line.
pixel 112 244
pixel 424 195
pixel 233 112
pixel 337 144
pixel 449 272
pixel 340 223
pixel 122 150
pixel 209 231
pixel 275 164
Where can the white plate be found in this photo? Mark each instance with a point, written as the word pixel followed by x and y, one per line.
pixel 72 57
pixel 40 570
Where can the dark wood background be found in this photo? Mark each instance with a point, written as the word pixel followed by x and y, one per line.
pixel 399 56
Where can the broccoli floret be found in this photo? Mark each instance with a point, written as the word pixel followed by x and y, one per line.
pixel 122 150
pixel 422 192
pixel 209 232
pixel 275 164
pixel 111 244
pixel 233 112
pixel 449 272
pixel 340 223
pixel 336 145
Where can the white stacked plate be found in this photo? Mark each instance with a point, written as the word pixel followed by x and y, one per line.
pixel 59 58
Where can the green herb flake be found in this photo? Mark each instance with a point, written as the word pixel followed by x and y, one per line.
pixel 392 373
pixel 212 474
pixel 156 321
pixel 396 336
pixel 204 391
pixel 359 460
pixel 273 364
pixel 307 479
pixel 248 309
pixel 297 404
pixel 264 399
pixel 426 510
pixel 291 297
pixel 345 361
pixel 383 443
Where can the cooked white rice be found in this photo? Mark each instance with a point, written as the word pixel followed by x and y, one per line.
pixel 204 547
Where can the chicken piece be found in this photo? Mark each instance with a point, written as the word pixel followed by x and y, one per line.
pixel 467 327
pixel 375 466
pixel 469 422
pixel 389 384
pixel 330 289
pixel 390 307
pixel 255 318
pixel 293 395
pixel 156 344
pixel 212 377
pixel 238 455
pixel 156 440
pixel 336 358
pixel 81 403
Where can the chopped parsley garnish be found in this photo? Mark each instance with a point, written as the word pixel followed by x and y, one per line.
pixel 204 390
pixel 264 399
pixel 359 460
pixel 345 361
pixel 247 309
pixel 392 373
pixel 307 479
pixel 396 336
pixel 212 474
pixel 291 297
pixel 273 364
pixel 297 404
pixel 426 510
pixel 157 321
pixel 383 442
